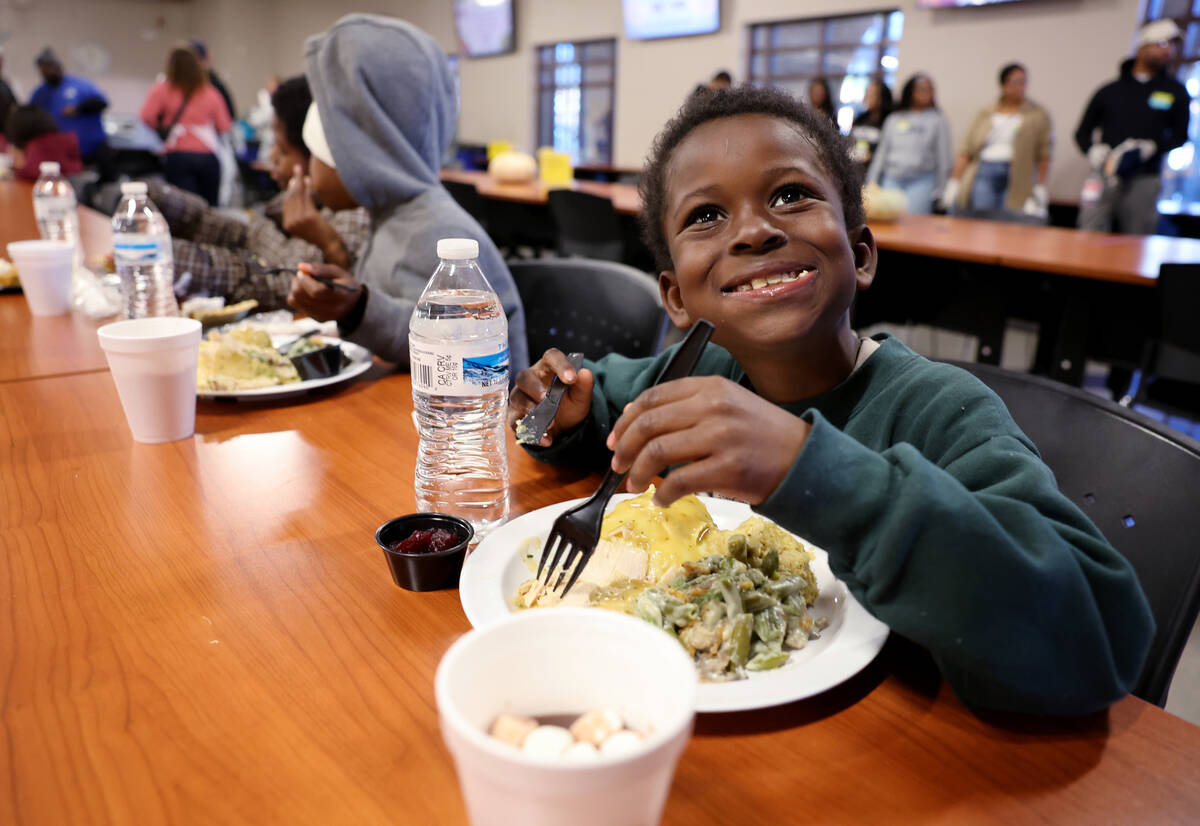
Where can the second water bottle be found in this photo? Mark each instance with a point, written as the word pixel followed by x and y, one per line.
pixel 142 255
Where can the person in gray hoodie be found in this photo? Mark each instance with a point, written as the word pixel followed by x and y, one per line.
pixel 384 110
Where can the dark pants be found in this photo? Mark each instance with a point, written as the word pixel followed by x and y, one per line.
pixel 198 172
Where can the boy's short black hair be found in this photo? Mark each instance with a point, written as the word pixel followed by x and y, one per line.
pixel 26 123
pixel 290 100
pixel 832 149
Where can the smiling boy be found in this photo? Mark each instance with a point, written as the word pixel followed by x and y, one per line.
pixel 935 509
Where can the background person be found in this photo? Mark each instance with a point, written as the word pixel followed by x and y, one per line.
pixel 1140 117
pixel 191 113
pixel 1005 158
pixel 201 50
pixel 384 111
pixel 228 256
pixel 914 152
pixel 33 138
pixel 868 126
pixel 75 104
pixel 819 99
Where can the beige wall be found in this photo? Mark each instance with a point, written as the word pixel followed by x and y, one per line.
pixel 130 38
pixel 1070 47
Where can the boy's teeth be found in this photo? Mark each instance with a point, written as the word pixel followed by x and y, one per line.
pixel 759 283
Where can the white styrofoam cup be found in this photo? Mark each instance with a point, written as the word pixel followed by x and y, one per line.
pixel 565 661
pixel 45 269
pixel 153 363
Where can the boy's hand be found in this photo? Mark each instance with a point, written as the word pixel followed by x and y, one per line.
pixel 732 441
pixel 533 383
pixel 322 302
pixel 302 219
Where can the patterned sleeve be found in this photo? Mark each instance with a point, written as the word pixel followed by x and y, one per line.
pixel 191 218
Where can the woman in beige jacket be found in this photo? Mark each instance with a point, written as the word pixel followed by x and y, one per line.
pixel 1004 161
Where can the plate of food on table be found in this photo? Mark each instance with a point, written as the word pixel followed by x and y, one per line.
pixel 756 607
pixel 263 358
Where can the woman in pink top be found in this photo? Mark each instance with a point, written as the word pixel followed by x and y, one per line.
pixel 189 114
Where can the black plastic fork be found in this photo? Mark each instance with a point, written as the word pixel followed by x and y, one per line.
pixel 576 532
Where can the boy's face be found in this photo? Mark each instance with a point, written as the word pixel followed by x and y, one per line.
pixel 759 246
pixel 284 155
pixel 328 185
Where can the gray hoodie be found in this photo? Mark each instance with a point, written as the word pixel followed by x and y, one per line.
pixel 387 104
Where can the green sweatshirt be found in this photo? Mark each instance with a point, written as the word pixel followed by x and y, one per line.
pixel 939 515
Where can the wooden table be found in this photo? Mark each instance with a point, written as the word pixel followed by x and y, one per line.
pixel 625 197
pixel 1100 256
pixel 45 345
pixel 204 632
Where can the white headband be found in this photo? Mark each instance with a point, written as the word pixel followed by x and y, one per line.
pixel 314 136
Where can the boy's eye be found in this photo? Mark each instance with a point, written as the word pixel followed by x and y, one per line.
pixel 790 194
pixel 703 215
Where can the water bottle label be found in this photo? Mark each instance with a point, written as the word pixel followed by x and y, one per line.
pixel 134 249
pixel 453 369
pixel 53 208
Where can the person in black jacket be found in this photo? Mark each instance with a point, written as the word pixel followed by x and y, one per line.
pixel 1140 117
pixel 201 51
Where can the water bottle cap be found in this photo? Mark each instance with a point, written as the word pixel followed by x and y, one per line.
pixel 49 168
pixel 133 188
pixel 458 248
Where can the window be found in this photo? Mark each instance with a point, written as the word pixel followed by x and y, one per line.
pixel 575 99
pixel 849 52
pixel 1181 172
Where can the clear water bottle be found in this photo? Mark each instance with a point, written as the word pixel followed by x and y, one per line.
pixel 458 346
pixel 54 207
pixel 142 255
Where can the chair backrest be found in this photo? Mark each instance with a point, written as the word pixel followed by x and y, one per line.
pixel 1137 480
pixel 594 307
pixel 587 225
pixel 1177 349
pixel 468 198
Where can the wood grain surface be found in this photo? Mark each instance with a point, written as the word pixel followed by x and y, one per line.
pixel 46 345
pixel 204 632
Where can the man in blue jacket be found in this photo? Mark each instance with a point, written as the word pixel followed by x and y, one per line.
pixel 76 105
pixel 1140 117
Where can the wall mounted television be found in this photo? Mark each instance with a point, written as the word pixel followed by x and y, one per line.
pixel 484 27
pixel 651 19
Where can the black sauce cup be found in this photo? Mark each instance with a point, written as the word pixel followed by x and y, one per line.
pixel 319 364
pixel 424 571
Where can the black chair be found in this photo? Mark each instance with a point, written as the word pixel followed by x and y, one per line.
pixel 1137 480
pixel 587 225
pixel 595 307
pixel 1171 364
pixel 468 198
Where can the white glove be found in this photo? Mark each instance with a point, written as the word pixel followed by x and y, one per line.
pixel 1038 203
pixel 1097 154
pixel 1146 148
pixel 949 196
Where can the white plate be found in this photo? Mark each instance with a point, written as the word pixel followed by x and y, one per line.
pixel 360 362
pixel 494 571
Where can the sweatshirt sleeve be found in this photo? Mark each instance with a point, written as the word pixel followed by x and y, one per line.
pixel 1092 116
pixel 618 381
pixel 384 326
pixel 977 557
